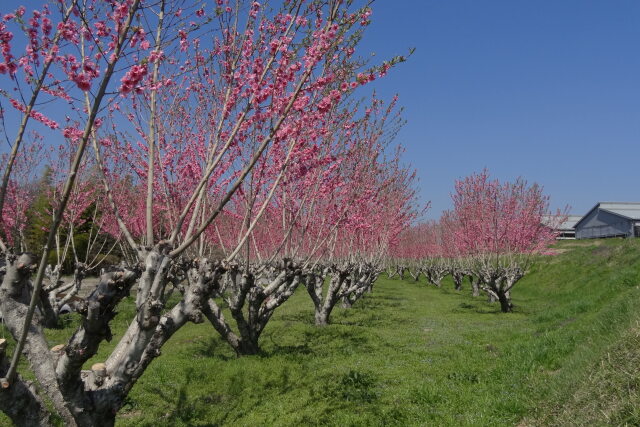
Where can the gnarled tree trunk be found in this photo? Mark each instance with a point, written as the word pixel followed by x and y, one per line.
pixel 347 283
pixel 260 296
pixel 93 397
pixel 475 285
pixel 458 277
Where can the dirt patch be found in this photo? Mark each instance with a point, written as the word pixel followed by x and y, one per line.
pixel 130 414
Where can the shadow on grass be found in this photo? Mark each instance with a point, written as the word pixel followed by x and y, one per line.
pixel 377 302
pixel 213 347
pixel 301 317
pixel 388 297
pixel 490 308
pixel 288 350
pixel 361 315
pixel 367 318
pixel 337 336
pixel 184 409
pixel 481 308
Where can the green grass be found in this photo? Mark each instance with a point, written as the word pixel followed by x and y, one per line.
pixel 411 354
pixel 609 395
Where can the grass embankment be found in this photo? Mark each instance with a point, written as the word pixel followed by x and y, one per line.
pixel 411 354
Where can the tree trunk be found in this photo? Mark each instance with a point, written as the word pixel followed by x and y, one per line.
pixel 48 311
pixel 475 286
pixel 458 276
pixel 213 313
pixel 505 302
pixel 20 401
pixel 98 419
pixel 251 300
pixel 324 306
pixel 248 347
pixel 14 300
pixel 346 302
pixel 322 315
pixel 347 284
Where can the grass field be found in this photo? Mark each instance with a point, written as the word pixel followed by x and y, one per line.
pixel 412 354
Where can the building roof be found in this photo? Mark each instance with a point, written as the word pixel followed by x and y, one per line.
pixel 567 224
pixel 570 222
pixel 628 210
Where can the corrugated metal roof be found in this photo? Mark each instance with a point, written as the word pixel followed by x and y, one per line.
pixel 628 209
pixel 568 224
pixel 571 222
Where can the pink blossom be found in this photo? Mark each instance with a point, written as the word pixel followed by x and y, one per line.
pixel 325 104
pixel 155 55
pixel 82 80
pixel 135 74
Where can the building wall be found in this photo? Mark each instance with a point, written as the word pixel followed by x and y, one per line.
pixel 566 234
pixel 604 224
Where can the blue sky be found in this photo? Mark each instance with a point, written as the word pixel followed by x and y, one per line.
pixel 548 90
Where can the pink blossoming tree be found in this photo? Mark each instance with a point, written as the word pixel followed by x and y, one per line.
pixel 232 160
pixel 499 227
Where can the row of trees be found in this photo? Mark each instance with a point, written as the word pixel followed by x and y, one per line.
pixel 218 151
pixel 491 235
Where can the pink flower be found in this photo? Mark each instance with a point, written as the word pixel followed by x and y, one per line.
pixel 155 55
pixel 301 102
pixel 72 133
pixel 91 69
pixel 82 81
pixel 255 7
pixel 102 29
pixel 132 78
pixel 324 105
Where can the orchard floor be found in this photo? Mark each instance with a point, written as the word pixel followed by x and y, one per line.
pixel 413 354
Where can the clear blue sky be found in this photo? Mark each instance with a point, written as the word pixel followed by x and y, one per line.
pixel 547 89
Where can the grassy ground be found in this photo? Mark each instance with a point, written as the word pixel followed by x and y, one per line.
pixel 411 354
